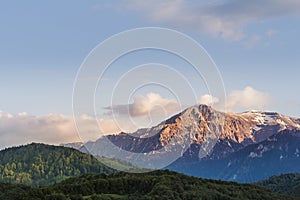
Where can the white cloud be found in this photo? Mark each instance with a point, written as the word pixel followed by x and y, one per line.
pixel 227 19
pixel 208 100
pixel 252 40
pixel 238 100
pixel 248 98
pixel 22 128
pixel 271 32
pixel 150 105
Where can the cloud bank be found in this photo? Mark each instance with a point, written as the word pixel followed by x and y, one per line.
pixel 239 100
pixel 248 98
pixel 22 128
pixel 226 19
pixel 150 105
pixel 208 100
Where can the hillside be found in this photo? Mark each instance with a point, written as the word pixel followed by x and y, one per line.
pixel 40 164
pixel 286 183
pixel 155 185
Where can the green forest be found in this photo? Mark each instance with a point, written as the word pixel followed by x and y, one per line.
pixel 285 183
pixel 158 185
pixel 46 172
pixel 40 164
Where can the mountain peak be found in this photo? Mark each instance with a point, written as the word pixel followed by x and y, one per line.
pixel 199 134
pixel 195 110
pixel 201 121
pixel 200 108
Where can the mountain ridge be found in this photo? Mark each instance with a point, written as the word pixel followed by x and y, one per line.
pixel 39 164
pixel 197 134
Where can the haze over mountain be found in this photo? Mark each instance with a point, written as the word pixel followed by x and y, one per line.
pixel 204 142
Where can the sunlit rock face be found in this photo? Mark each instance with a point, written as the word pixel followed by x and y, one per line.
pixel 198 135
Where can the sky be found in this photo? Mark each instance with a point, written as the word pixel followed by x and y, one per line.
pixel 254 45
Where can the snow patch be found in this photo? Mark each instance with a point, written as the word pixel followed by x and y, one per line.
pixel 297 152
pixel 255 129
pixel 234 177
pixel 228 143
pixel 229 164
pixel 254 155
pixel 260 147
pixel 280 122
pixel 261 150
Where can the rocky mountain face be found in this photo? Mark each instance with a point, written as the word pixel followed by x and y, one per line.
pixel 276 155
pixel 204 142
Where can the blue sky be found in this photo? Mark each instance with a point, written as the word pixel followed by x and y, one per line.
pixel 42 44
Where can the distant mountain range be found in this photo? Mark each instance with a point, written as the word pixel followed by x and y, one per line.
pixel 243 147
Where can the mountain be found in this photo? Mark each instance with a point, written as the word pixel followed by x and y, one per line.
pixel 204 142
pixel 160 185
pixel 285 184
pixel 277 154
pixel 74 145
pixel 40 164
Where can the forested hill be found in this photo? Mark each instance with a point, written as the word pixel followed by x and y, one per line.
pixel 285 183
pixel 40 164
pixel 160 185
